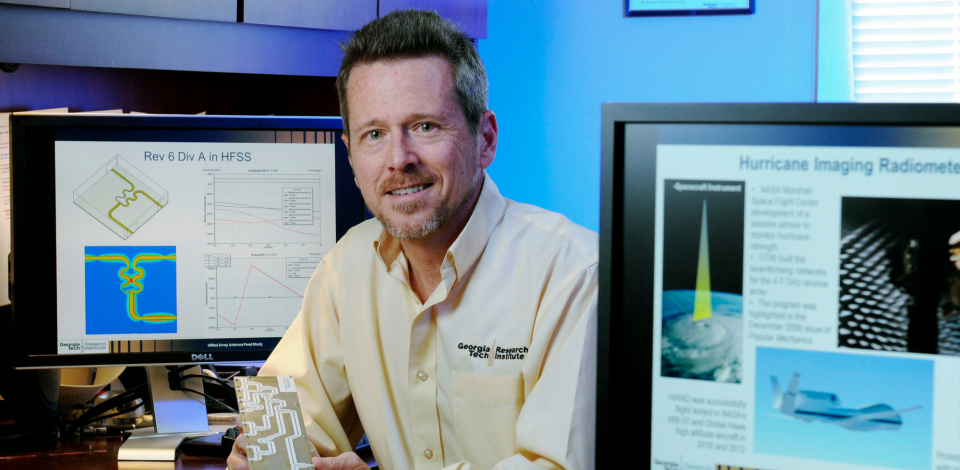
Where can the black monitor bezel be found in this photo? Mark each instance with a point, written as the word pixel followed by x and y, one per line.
pixel 33 139
pixel 625 372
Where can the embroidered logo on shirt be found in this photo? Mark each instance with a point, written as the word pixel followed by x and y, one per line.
pixel 511 353
pixel 498 353
pixel 482 352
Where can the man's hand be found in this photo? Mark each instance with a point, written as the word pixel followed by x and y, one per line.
pixel 237 460
pixel 348 461
pixel 345 461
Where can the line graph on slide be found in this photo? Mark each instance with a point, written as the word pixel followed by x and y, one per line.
pixel 265 209
pixel 255 292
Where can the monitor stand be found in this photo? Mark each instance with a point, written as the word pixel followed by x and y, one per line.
pixel 176 415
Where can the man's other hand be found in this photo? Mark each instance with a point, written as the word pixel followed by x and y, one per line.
pixel 237 460
pixel 345 461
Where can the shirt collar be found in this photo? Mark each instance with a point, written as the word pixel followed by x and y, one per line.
pixel 466 249
pixel 468 246
pixel 387 248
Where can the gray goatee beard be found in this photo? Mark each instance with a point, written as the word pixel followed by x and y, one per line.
pixel 428 227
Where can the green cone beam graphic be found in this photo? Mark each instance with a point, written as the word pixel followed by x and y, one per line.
pixel 702 307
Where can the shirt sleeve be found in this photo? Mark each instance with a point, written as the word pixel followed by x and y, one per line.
pixel 556 426
pixel 312 353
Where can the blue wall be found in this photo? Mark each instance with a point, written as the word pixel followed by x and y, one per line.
pixel 552 63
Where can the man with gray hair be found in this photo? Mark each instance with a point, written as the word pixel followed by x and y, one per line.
pixel 458 328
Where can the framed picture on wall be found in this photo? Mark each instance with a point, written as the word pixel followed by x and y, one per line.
pixel 687 7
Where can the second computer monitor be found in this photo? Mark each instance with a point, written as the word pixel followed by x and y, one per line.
pixel 780 286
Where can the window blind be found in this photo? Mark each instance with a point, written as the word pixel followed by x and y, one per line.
pixel 906 51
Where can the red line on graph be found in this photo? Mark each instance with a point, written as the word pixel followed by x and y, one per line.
pixel 244 294
pixel 244 222
pixel 265 220
pixel 278 282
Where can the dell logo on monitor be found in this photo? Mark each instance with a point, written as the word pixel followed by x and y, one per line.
pixel 201 357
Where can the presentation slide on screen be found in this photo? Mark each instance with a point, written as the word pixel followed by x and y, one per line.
pixel 170 241
pixel 807 305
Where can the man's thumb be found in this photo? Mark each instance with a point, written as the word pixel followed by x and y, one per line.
pixel 325 463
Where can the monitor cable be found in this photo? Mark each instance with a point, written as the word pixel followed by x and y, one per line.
pixel 211 398
pixel 223 382
pixel 176 383
pixel 94 413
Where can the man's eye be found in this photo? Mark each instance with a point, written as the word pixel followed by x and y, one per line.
pixel 376 135
pixel 426 127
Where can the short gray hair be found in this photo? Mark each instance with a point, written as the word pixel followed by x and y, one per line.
pixel 408 34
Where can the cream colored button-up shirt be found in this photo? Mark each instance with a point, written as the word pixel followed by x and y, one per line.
pixel 497 369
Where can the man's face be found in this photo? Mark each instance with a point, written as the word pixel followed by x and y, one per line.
pixel 413 156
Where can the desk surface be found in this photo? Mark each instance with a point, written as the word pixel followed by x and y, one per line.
pixel 99 453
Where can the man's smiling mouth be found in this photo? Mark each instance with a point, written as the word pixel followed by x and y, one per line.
pixel 409 190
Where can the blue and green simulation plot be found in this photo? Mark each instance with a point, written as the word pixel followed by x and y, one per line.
pixel 130 289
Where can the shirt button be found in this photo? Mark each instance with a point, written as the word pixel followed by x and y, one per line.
pixel 428 454
pixel 423 377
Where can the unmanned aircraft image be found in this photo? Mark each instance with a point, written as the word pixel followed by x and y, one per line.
pixel 808 406
pixel 885 421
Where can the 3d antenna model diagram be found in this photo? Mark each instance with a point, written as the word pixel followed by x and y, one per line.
pixel 120 197
pixel 275 435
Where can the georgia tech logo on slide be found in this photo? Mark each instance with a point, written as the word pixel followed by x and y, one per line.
pixel 201 357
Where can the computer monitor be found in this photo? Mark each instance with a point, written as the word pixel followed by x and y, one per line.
pixel 780 286
pixel 149 240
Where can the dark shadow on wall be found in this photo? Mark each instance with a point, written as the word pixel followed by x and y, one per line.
pixel 164 91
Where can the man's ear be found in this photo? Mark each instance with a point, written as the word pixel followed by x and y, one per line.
pixel 346 141
pixel 487 133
